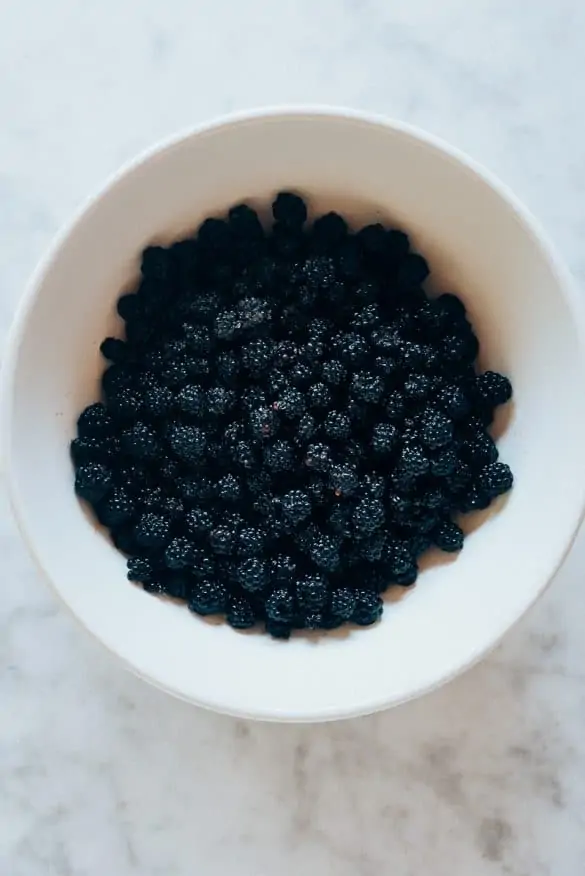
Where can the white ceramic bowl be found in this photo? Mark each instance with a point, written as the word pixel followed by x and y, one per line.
pixel 481 243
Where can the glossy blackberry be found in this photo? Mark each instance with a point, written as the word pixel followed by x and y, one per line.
pixel 116 508
pixel 278 456
pixel 453 400
pixel 318 457
pixel 319 272
pixel 368 516
pixel 92 481
pixel 343 603
pixel 158 401
pixel 187 442
pixel 229 488
pixel 219 400
pixel 413 460
pixel 324 551
pixel 329 231
pixel 436 429
pixel 289 210
pixel 263 423
pixel 179 553
pixel 372 546
pixel 384 437
pixel 141 442
pixel 319 396
pixel 395 406
pixel 417 387
pixel 222 540
pixel 85 450
pixel 351 348
pixel 280 605
pixel 496 479
pixel 198 522
pixel 478 450
pixel 141 569
pixel 252 574
pixel 208 597
pixel 296 506
pixel 195 488
pixel 306 428
pixel 290 403
pixel 343 479
pixel 152 530
pixel 124 404
pixel 114 350
pixel 368 608
pixel 493 389
pixel 448 537
pixel 337 425
pixel 333 372
pixel 95 422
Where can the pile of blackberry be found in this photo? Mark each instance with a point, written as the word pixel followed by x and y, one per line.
pixel 288 422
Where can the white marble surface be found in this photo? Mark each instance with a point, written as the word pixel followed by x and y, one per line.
pixel 101 774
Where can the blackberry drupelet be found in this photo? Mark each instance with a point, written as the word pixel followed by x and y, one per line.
pixel 286 415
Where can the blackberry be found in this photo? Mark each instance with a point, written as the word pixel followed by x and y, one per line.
pixel 413 271
pixel 94 422
pixel 252 574
pixel 228 368
pixel 319 396
pixel 250 542
pixel 187 442
pixel 278 456
pixel 194 488
pixel 384 437
pixel 436 429
pixel 280 606
pixel 329 230
pixel 324 552
pixel 125 404
pixel 496 479
pixel 311 620
pixel 191 400
pixel 340 520
pixel 222 540
pixel 448 537
pixel 278 629
pixel 179 554
pixel 398 558
pixel 367 387
pixel 300 374
pixel 296 506
pixel 173 507
pixel 343 603
pixel 368 515
pixel 372 546
pixel 85 450
pixel 366 317
pixel 319 272
pixel 289 210
pixel 343 479
pixel 407 578
pixel 413 460
pixel 333 372
pixel 208 597
pixel 140 441
pixel 318 457
pixel 141 569
pixel 417 387
pixel 479 450
pixel 92 481
pixel 290 404
pixel 198 339
pixel 368 607
pixel 452 399
pixel 116 508
pixel 152 530
pixel 240 613
pixel 158 401
pixel 243 455
pixel 198 522
pixel 229 488
pixel 264 423
pixel 282 569
pixel 219 400
pixel 337 425
pixel 306 428
pixel 444 462
pixel 256 356
pixel 395 406
pixel 351 348
pixel 493 389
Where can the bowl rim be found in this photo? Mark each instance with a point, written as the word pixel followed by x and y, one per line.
pixel 565 282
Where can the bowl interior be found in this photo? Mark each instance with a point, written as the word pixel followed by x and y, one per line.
pixel 479 245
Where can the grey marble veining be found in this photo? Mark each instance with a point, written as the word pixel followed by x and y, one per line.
pixel 101 774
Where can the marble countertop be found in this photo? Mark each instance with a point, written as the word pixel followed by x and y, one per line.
pixel 100 773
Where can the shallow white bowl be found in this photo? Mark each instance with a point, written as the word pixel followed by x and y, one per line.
pixel 481 243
